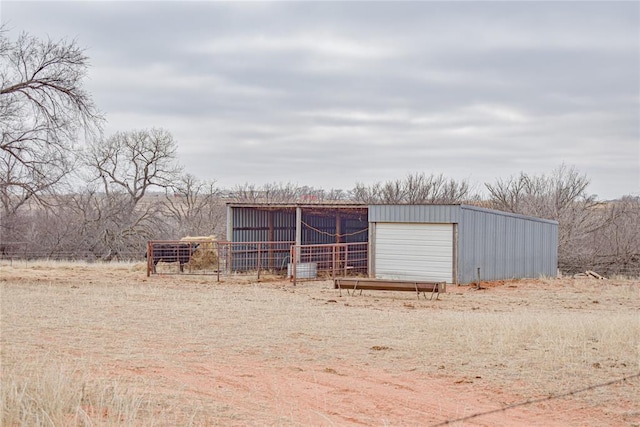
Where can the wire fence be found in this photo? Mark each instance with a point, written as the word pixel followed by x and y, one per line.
pixel 540 400
pixel 256 257
pixel 31 257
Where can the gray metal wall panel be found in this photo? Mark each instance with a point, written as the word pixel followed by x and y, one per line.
pixel 505 246
pixel 246 223
pixel 284 223
pixel 436 214
pixel 284 219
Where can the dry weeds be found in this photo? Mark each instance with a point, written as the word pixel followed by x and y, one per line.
pixel 102 344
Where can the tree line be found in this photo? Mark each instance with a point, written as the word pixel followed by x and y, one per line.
pixel 104 198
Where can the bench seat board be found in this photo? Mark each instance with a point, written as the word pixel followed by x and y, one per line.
pixel 389 285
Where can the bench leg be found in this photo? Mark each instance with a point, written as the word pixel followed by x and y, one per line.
pixel 436 290
pixel 354 289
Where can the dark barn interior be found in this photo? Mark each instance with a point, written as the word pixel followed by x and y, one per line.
pixel 281 225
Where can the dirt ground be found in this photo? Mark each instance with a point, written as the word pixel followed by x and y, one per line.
pixel 246 352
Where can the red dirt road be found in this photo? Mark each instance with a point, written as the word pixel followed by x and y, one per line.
pixel 354 395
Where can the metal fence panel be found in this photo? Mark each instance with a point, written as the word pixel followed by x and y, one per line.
pixel 330 261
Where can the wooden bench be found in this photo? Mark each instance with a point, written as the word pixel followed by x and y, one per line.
pixel 435 288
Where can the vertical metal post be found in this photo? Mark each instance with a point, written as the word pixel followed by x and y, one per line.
pixel 371 250
pixel 259 251
pixel 298 226
pixel 218 259
pixel 229 223
pixel 294 262
pixel 271 239
pixel 295 257
pixel 333 262
pixel 149 258
pixel 455 254
pixel 346 258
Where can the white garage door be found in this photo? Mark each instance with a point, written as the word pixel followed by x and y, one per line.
pixel 410 251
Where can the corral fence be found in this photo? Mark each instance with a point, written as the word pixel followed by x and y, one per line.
pixel 253 257
pixel 221 258
pixel 180 256
pixel 328 260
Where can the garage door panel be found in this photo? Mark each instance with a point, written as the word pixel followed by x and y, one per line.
pixel 412 251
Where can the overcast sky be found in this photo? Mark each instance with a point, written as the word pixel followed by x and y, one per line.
pixel 328 94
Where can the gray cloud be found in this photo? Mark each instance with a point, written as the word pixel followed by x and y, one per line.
pixel 329 94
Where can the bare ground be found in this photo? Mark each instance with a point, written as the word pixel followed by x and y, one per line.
pixel 189 350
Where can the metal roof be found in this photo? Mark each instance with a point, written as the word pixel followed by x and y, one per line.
pixel 327 205
pixel 418 212
pixel 347 205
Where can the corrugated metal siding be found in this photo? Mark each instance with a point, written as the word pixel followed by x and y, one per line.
pixel 437 214
pixel 319 230
pixel 414 251
pixel 249 225
pixel 284 223
pixel 505 246
pixel 355 231
pixel 322 230
pixel 252 225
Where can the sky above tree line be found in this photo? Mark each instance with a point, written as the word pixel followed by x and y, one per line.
pixel 328 94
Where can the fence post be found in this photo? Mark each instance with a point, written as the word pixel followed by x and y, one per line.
pixel 333 262
pixel 294 262
pixel 259 252
pixel 149 258
pixel 346 258
pixel 218 260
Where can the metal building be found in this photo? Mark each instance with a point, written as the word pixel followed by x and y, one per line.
pixel 450 243
pixel 458 243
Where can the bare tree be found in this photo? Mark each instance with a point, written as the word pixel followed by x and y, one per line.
pixel 194 207
pixel 284 193
pixel 133 162
pixel 416 188
pixel 125 167
pixel 17 186
pixel 614 248
pixel 43 107
pixel 561 196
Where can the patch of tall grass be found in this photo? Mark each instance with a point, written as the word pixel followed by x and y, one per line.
pixel 47 393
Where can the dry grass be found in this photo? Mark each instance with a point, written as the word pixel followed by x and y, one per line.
pixel 100 344
pixel 52 392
